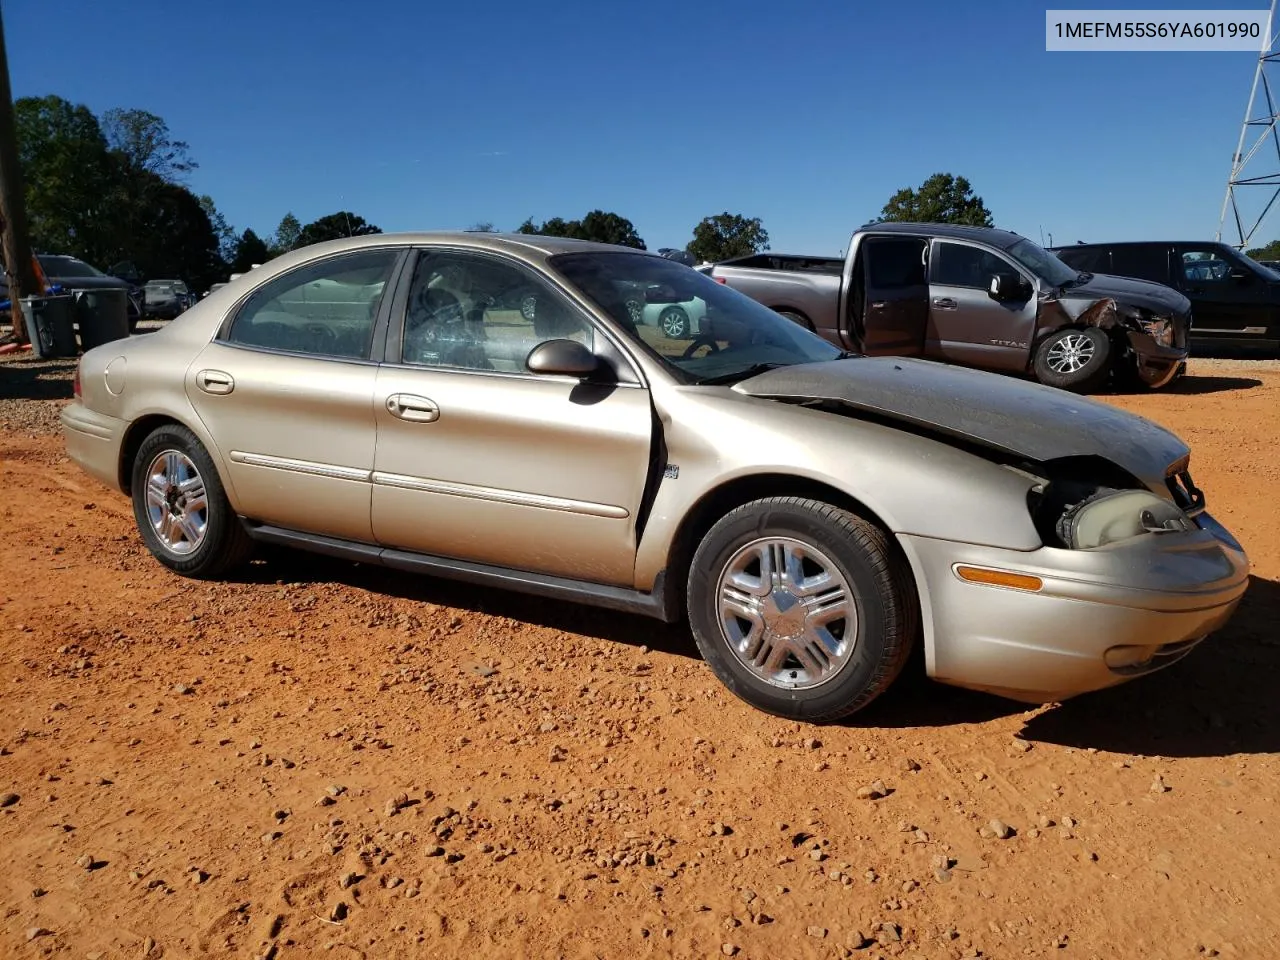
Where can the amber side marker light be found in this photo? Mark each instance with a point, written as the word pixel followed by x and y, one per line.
pixel 999 578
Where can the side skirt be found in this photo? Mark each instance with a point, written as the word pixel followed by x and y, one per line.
pixel 653 604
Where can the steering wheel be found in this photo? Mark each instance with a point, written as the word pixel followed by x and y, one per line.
pixel 701 340
pixel 321 332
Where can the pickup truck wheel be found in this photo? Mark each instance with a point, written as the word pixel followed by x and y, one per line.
pixel 1076 359
pixel 801 609
pixel 181 509
pixel 798 318
pixel 674 323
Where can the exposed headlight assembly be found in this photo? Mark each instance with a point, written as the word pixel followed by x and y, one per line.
pixel 1159 329
pixel 1109 516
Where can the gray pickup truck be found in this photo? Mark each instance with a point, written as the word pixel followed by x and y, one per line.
pixel 978 297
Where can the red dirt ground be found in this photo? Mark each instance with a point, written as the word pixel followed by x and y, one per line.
pixel 325 760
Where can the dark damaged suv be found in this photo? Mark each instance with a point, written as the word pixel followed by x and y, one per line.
pixel 980 297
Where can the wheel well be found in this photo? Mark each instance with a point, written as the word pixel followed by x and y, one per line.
pixel 718 502
pixel 137 433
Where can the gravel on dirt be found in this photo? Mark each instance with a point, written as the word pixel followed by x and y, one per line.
pixel 674 820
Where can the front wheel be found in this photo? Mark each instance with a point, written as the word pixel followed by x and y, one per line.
pixel 1076 360
pixel 802 609
pixel 181 509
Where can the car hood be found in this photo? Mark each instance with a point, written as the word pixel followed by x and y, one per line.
pixel 1014 417
pixel 1137 293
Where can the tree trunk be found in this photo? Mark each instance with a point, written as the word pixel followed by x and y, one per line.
pixel 13 214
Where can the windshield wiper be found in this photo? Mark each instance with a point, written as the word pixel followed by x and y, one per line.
pixel 1082 277
pixel 750 371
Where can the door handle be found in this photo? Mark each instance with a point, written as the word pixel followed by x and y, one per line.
pixel 215 381
pixel 406 406
pixel 944 303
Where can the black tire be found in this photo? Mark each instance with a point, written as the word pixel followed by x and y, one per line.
pixel 1090 377
pixel 798 318
pixel 225 542
pixel 881 587
pixel 674 323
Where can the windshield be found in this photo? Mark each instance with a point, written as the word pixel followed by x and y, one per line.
pixel 1042 263
pixel 67 267
pixel 702 330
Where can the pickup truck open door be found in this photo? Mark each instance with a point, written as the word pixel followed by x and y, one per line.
pixel 889 296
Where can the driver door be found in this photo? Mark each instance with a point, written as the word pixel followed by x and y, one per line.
pixel 968 326
pixel 478 459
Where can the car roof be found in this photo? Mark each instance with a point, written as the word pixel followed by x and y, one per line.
pixel 1142 243
pixel 992 235
pixel 547 246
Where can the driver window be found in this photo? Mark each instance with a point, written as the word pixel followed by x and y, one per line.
pixel 1205 266
pixel 326 309
pixel 959 265
pixel 473 312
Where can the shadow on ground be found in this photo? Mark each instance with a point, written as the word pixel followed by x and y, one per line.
pixel 1220 700
pixel 36 379
pixel 1191 386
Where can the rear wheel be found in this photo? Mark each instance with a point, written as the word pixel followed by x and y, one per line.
pixel 181 508
pixel 674 323
pixel 798 318
pixel 1076 360
pixel 801 608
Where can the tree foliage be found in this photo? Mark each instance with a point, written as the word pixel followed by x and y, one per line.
pixel 143 140
pixel 1270 251
pixel 598 226
pixel 286 235
pixel 943 198
pixel 225 233
pixel 335 226
pixel 725 236
pixel 250 249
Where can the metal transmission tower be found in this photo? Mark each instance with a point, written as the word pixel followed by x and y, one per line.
pixel 1265 170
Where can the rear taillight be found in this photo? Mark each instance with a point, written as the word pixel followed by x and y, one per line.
pixel 719 280
pixel 75 384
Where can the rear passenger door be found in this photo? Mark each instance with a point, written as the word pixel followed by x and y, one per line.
pixel 894 296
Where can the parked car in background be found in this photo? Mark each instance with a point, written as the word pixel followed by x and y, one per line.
pixel 814 517
pixel 166 299
pixel 979 297
pixel 70 274
pixel 1235 301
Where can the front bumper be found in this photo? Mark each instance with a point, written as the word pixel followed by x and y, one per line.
pixel 1102 616
pixel 93 441
pixel 1156 365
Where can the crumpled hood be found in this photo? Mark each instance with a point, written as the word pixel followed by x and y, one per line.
pixel 1012 416
pixel 1156 297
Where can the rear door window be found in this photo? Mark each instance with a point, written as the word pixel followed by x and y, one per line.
pixel 1143 261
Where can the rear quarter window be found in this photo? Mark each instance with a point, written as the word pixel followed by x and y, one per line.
pixel 1145 262
pixel 1090 259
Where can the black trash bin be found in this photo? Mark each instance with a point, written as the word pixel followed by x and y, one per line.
pixel 50 326
pixel 103 316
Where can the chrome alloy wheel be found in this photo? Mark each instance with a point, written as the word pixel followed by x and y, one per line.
pixel 787 612
pixel 1071 354
pixel 177 504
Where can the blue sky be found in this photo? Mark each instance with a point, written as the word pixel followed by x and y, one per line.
pixel 436 115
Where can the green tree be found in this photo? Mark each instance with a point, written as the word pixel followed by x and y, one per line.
pixel 727 235
pixel 68 173
pixel 225 232
pixel 335 226
pixel 286 235
pixel 943 198
pixel 250 249
pixel 598 226
pixel 1269 252
pixel 144 141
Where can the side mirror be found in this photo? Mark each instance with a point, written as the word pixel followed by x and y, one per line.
pixel 565 358
pixel 1007 286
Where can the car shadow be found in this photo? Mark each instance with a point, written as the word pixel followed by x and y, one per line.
pixel 37 379
pixel 274 564
pixel 1191 385
pixel 1219 701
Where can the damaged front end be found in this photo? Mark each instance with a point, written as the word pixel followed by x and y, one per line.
pixel 1149 332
